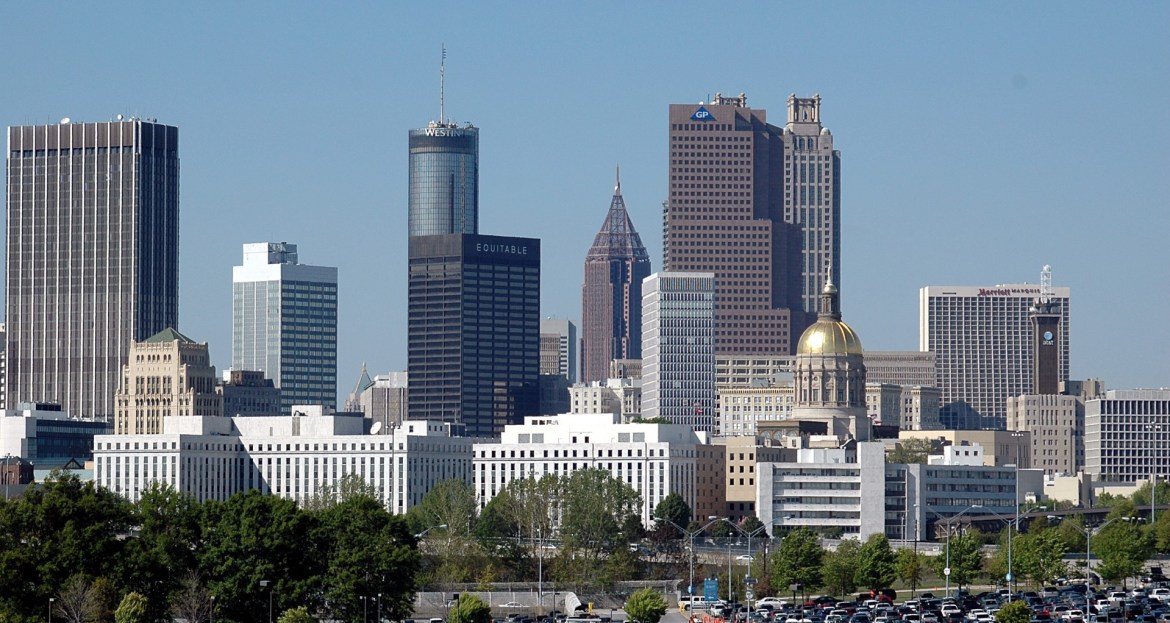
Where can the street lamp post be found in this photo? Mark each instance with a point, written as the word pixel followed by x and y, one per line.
pixel 950 522
pixel 1154 429
pixel 424 532
pixel 379 607
pixel 365 609
pixel 748 574
pixel 51 600
pixel 691 536
pixel 211 612
pixel 7 477
pixel 1088 532
pixel 1016 502
pixel 271 587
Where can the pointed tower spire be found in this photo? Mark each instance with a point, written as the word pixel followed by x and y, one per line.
pixel 611 296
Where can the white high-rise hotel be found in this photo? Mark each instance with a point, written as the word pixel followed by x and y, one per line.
pixel 982 338
pixel 678 348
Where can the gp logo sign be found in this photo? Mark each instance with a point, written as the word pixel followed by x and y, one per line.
pixel 702 115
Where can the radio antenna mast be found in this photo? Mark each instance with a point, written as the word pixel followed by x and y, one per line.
pixel 442 85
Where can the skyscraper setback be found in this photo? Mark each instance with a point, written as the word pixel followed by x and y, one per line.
pixel 611 298
pixel 92 256
pixel 759 206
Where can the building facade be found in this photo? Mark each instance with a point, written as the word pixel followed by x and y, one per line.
pixel 301 458
pixel 1057 425
pixel 678 349
pixel 740 194
pixel 248 393
pixel 621 396
pixel 92 257
pixel 653 459
pixel 386 400
pixel 982 338
pixel 284 323
pixel 852 492
pixel 741 455
pixel 1122 430
pixel 444 180
pixel 473 328
pixel 558 348
pixel 167 375
pixel 46 437
pixel 611 296
pixel 906 368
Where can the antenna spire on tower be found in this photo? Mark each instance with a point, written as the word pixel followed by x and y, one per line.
pixel 442 85
pixel 617 190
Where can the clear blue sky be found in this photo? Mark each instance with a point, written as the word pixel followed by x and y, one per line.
pixel 979 140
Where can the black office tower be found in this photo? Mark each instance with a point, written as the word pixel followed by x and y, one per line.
pixel 474 330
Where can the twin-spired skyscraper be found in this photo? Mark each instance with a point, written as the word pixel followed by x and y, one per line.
pixel 92 256
pixel 759 206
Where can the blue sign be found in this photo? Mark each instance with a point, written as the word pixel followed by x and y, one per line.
pixel 711 589
pixel 702 115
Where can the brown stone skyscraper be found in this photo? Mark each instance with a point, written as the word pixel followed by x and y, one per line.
pixel 92 256
pixel 757 205
pixel 611 299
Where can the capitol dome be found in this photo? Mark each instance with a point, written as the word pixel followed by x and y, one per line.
pixel 829 335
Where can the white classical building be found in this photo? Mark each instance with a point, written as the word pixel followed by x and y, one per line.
pixel 297 457
pixel 654 459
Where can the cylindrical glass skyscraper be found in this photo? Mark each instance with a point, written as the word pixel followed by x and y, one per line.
pixel 444 180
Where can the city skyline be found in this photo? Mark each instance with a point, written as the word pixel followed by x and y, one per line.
pixel 962 134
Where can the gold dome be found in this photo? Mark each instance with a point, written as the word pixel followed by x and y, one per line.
pixel 829 337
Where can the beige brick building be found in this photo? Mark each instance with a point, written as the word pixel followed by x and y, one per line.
pixel 167 374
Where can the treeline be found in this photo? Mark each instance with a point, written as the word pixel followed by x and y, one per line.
pixel 83 553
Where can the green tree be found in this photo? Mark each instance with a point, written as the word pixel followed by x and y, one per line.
pixel 132 609
pixel 163 552
pixel 1014 612
pixel 751 524
pixel 909 566
pixel 909 451
pixel 840 568
pixel 646 605
pixel 1039 556
pixel 673 509
pixel 875 563
pixel 367 551
pixel 496 530
pixel 1123 549
pixel 593 505
pixel 251 537
pixel 470 609
pixel 966 558
pixel 61 529
pixel 450 503
pixel 798 561
pixel 300 614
